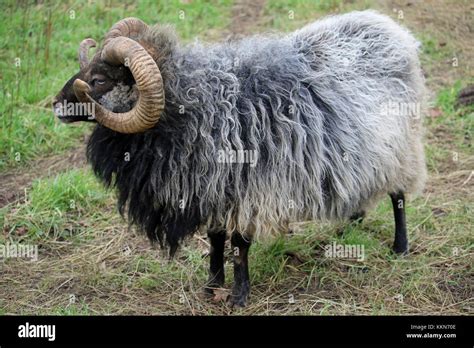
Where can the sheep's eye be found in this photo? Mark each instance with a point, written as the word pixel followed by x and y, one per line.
pixel 98 82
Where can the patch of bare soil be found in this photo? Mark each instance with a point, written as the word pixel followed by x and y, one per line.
pixel 15 181
pixel 245 17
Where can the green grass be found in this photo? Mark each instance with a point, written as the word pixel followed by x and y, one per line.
pixel 432 50
pixel 450 131
pixel 74 190
pixel 72 309
pixel 55 207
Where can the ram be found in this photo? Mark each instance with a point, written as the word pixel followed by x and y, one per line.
pixel 241 138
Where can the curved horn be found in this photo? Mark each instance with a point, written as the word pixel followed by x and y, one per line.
pixel 129 27
pixel 151 100
pixel 84 47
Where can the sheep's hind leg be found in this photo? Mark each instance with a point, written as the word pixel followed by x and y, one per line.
pixel 400 245
pixel 241 288
pixel 216 269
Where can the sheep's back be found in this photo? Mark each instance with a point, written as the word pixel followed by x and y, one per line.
pixel 313 106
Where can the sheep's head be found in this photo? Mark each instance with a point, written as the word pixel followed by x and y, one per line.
pixel 121 87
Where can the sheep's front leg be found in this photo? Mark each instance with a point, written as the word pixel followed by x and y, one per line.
pixel 216 269
pixel 241 288
pixel 400 245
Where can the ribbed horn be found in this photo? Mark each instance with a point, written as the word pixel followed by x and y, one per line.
pixel 129 27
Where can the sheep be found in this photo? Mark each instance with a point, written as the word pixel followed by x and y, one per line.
pixel 241 138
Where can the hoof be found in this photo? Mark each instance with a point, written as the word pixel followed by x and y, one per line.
pixel 237 302
pixel 400 249
pixel 239 295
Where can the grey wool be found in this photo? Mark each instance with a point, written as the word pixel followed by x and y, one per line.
pixel 330 112
pixel 241 138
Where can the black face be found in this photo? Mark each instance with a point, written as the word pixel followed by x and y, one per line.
pixel 111 86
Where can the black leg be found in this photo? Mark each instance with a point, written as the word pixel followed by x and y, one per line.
pixel 241 288
pixel 400 245
pixel 216 269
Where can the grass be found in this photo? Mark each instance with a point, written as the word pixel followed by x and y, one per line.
pixel 74 195
pixel 87 253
